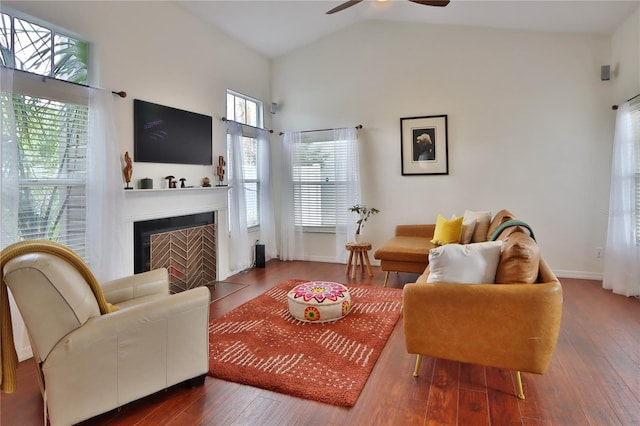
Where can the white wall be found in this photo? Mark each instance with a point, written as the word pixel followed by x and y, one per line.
pixel 530 126
pixel 625 59
pixel 157 52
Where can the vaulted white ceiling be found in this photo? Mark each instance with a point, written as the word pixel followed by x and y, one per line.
pixel 277 27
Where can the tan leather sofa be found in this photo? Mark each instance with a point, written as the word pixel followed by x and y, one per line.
pixel 407 250
pixel 90 363
pixel 512 325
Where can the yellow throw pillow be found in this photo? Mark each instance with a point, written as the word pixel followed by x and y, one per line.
pixel 447 231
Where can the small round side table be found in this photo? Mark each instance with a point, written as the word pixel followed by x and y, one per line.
pixel 358 252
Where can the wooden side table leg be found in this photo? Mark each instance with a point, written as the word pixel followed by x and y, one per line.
pixel 362 265
pixel 366 258
pixel 349 261
pixel 355 264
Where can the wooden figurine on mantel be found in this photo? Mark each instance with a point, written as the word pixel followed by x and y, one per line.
pixel 220 170
pixel 128 169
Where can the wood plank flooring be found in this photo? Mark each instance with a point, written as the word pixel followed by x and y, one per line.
pixel 593 379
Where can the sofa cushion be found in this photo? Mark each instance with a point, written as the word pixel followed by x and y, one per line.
pixel 483 218
pixel 405 249
pixel 447 231
pixel 519 261
pixel 464 264
pixel 468 226
pixel 500 217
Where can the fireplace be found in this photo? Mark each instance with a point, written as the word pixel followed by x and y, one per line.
pixel 185 245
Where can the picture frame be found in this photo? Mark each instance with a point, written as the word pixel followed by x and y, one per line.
pixel 424 145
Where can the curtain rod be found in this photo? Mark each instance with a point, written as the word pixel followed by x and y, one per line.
pixel 615 107
pixel 121 93
pixel 358 127
pixel 248 125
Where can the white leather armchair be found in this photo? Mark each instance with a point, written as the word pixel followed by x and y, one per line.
pixel 91 363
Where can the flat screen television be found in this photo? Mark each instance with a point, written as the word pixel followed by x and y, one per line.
pixel 168 135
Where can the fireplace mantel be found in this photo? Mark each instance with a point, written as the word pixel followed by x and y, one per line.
pixel 164 202
pixel 176 190
pixel 160 203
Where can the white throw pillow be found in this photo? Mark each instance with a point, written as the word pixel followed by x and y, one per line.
pixel 468 226
pixel 482 225
pixel 464 264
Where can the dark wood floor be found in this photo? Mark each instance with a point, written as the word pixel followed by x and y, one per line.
pixel 593 379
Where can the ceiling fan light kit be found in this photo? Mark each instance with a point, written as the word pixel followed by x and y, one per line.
pixel 345 5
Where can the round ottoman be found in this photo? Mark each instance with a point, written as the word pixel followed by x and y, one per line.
pixel 319 301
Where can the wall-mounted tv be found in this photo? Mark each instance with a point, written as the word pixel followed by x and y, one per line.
pixel 168 135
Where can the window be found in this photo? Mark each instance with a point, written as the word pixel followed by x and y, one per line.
pixel 51 128
pixel 30 47
pixel 319 182
pixel 635 126
pixel 246 110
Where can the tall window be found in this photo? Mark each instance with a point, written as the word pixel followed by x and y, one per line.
pixel 635 125
pixel 247 110
pixel 51 129
pixel 319 182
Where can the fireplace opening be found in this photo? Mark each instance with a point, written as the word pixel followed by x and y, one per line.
pixel 185 245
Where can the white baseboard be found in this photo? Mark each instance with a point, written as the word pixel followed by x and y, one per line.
pixel 581 275
pixel 323 259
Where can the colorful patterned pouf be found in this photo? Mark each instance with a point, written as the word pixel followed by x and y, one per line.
pixel 319 301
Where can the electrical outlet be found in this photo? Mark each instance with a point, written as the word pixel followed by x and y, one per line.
pixel 599 251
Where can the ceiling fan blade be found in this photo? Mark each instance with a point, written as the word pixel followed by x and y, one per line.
pixel 343 6
pixel 438 3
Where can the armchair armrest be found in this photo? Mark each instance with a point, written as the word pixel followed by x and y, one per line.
pixel 424 231
pixel 513 326
pixel 121 354
pixel 138 285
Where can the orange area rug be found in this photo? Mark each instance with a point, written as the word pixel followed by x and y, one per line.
pixel 260 344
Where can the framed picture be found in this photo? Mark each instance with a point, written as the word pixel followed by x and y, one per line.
pixel 424 146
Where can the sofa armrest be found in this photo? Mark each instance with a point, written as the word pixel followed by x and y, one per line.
pixel 424 231
pixel 513 326
pixel 138 285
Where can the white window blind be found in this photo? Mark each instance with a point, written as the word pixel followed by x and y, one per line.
pixel 52 146
pixel 319 182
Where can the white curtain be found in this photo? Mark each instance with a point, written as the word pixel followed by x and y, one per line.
pixel 345 231
pixel 291 245
pixel 9 199
pixel 622 253
pixel 239 253
pixel 267 220
pixel 9 160
pixel 347 173
pixel 105 240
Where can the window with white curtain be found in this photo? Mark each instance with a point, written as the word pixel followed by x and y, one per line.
pixel 635 125
pixel 319 181
pixel 51 122
pixel 248 111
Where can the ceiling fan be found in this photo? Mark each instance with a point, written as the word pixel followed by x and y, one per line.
pixel 343 6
